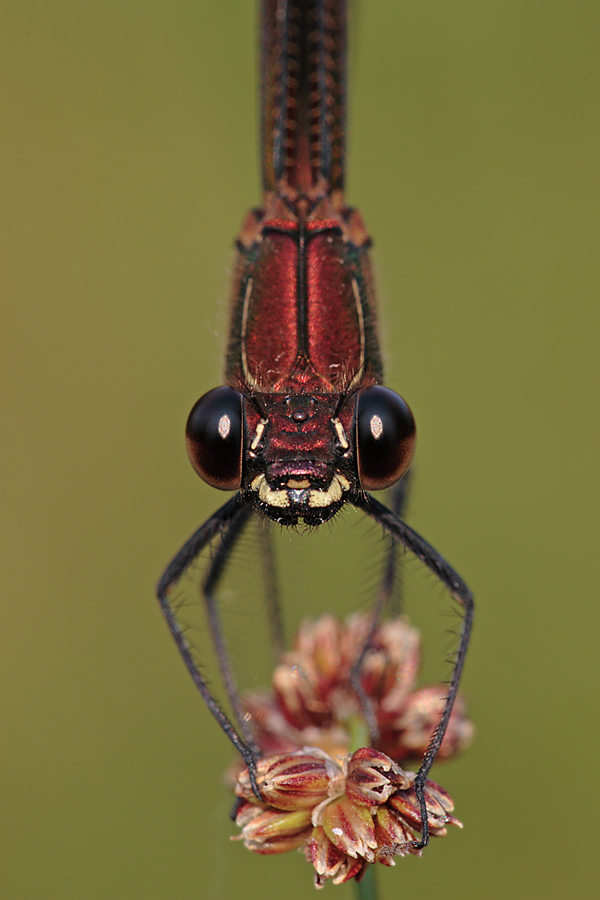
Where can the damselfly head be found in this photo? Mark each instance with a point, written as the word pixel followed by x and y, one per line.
pixel 299 464
pixel 300 457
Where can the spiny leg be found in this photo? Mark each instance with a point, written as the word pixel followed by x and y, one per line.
pixel 382 600
pixel 459 590
pixel 174 571
pixel 399 503
pixel 273 604
pixel 273 607
pixel 229 537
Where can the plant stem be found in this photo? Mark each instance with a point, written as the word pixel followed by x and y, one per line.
pixel 367 888
pixel 359 733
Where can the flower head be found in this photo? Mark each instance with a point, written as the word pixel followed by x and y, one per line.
pixel 345 814
pixel 345 810
pixel 313 699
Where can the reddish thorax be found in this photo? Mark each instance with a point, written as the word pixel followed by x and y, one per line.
pixel 303 306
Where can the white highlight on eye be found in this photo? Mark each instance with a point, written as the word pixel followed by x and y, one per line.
pixel 224 426
pixel 376 426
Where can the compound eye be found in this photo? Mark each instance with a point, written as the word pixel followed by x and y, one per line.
pixel 385 437
pixel 214 438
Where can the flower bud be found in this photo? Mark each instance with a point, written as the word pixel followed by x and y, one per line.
pixel 329 862
pixel 372 777
pixel 287 781
pixel 268 831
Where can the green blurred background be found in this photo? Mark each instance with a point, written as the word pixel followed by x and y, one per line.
pixel 129 159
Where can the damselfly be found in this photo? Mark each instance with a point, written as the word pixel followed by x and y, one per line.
pixel 303 424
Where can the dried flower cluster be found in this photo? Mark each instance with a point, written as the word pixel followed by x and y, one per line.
pixel 313 700
pixel 345 814
pixel 346 810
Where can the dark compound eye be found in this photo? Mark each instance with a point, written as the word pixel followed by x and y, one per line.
pixel 385 437
pixel 214 438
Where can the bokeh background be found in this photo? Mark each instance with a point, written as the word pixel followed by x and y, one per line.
pixel 129 158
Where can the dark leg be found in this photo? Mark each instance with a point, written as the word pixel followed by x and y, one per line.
pixel 271 588
pixel 386 588
pixel 176 568
pixel 216 567
pixel 459 590
pixel 215 570
pixel 400 494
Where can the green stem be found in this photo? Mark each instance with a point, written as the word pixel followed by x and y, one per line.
pixel 359 733
pixel 367 888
